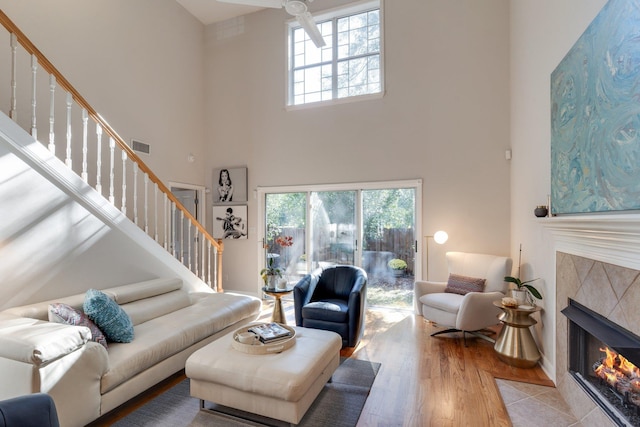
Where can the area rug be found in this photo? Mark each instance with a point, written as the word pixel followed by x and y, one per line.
pixel 339 404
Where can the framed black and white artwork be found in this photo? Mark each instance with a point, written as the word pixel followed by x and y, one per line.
pixel 229 186
pixel 230 222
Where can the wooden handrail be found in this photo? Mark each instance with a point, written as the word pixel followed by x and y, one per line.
pixel 64 83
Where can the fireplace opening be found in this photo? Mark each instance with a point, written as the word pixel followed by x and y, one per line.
pixel 604 359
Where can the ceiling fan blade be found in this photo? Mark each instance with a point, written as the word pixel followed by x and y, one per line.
pixel 310 27
pixel 277 4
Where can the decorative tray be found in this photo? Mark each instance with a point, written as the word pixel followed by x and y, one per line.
pixel 258 347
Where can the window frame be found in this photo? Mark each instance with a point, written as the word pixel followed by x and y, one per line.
pixel 332 15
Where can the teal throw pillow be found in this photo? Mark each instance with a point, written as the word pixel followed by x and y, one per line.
pixel 108 316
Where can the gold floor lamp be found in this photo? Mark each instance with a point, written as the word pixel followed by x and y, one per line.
pixel 439 237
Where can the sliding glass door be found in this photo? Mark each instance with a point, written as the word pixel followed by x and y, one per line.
pixel 371 226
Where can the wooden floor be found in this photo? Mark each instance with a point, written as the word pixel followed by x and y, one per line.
pixel 423 381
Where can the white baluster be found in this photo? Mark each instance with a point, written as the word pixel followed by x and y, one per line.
pixel 196 239
pixel 135 193
pixel 203 264
pixel 173 228
pixel 155 211
pixel 99 158
pixel 34 72
pixel 112 147
pixel 182 236
pixel 124 182
pixel 165 228
pixel 85 120
pixel 67 160
pixel 213 265
pixel 13 113
pixel 146 203
pixel 52 113
pixel 209 261
pixel 188 239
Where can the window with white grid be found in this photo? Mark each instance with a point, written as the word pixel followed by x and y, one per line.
pixel 350 63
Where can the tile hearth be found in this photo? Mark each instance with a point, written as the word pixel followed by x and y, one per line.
pixel 531 405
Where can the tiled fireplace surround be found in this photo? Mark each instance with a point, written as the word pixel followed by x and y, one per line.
pixel 597 264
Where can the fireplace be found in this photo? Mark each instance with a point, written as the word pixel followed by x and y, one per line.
pixel 603 359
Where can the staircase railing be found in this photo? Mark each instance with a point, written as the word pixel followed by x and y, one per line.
pixel 158 212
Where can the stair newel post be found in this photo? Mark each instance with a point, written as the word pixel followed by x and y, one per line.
pixel 124 183
pixel 218 266
pixel 146 203
pixel 99 158
pixel 13 113
pixel 112 165
pixel 52 113
pixel 34 72
pixel 67 160
pixel 135 194
pixel 85 121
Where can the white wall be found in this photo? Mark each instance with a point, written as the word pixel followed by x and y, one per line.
pixel 444 118
pixel 138 63
pixel 542 32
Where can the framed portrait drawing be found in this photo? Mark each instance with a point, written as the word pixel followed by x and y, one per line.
pixel 229 186
pixel 230 222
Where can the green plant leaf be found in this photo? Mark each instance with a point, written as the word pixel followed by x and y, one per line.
pixel 533 291
pixel 512 279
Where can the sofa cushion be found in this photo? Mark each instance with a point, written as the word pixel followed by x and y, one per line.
pixel 39 342
pixel 146 309
pixel 109 316
pixel 445 301
pixel 63 313
pixel 160 338
pixel 462 285
pixel 331 310
pixel 150 288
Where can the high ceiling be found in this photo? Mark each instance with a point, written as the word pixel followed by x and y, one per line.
pixel 210 11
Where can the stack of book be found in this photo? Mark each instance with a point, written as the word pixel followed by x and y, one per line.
pixel 270 332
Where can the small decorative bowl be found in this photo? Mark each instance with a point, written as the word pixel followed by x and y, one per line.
pixel 541 211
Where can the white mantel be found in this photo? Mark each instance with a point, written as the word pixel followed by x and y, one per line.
pixel 610 238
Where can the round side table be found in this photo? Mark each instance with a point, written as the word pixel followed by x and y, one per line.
pixel 278 313
pixel 515 344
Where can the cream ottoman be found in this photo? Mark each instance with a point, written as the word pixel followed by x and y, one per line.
pixel 281 385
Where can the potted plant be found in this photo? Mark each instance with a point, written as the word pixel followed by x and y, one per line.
pixel 270 275
pixel 398 266
pixel 523 288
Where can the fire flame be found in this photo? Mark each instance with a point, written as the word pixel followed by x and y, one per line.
pixel 616 368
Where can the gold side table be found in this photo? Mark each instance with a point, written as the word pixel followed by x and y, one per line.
pixel 278 313
pixel 515 344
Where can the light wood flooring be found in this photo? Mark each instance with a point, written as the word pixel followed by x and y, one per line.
pixel 423 381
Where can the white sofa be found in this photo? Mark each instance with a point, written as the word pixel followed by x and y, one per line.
pixel 85 379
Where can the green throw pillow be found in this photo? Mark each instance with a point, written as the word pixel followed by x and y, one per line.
pixel 108 316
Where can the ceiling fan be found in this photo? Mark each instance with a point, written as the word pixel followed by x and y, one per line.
pixel 297 8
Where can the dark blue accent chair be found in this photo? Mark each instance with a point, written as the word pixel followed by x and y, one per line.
pixel 31 410
pixel 333 299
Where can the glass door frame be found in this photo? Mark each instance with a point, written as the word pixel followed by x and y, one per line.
pixel 416 184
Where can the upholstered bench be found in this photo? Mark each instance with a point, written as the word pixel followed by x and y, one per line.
pixel 279 385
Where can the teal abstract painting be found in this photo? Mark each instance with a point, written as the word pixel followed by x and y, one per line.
pixel 595 116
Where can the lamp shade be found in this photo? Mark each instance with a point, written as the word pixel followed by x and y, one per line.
pixel 440 237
